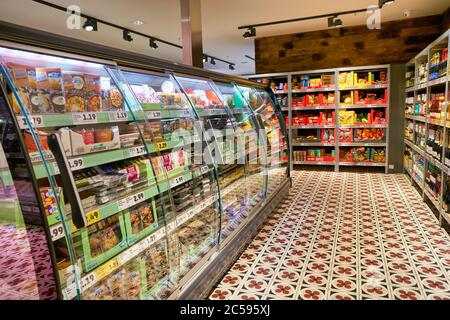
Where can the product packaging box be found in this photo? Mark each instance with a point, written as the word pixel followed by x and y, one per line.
pixel 346 117
pixel 24 78
pixel 101 241
pixel 51 90
pixel 93 93
pixel 140 221
pixel 74 90
pixel 103 139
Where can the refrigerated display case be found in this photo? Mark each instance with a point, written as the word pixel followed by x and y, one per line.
pixel 125 182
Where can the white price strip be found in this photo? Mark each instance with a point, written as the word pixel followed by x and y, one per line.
pixel 154 114
pixel 87 281
pixel 118 116
pixel 70 292
pixel 135 199
pixel 137 151
pixel 122 204
pixel 129 254
pixel 182 218
pixel 57 231
pixel 190 214
pixel 76 164
pixel 36 122
pixel 84 118
pixel 171 226
pixel 177 181
pixel 184 113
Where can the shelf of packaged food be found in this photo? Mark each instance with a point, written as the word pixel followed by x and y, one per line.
pixel 319 107
pixel 364 125
pixel 363 87
pixel 438 81
pixel 364 106
pixel 416 180
pixel 138 196
pixel 435 122
pixel 99 158
pixel 312 144
pixel 314 89
pixel 318 126
pixel 362 144
pixel 362 164
pixel 438 64
pixel 434 161
pixel 415 148
pixel 431 197
pixel 211 112
pixel 316 163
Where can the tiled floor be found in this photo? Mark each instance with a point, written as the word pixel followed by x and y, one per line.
pixel 345 236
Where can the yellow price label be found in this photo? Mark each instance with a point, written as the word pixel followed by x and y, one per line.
pixel 74 228
pixel 106 268
pixel 162 146
pixel 93 216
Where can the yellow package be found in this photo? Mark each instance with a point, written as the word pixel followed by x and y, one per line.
pixel 346 117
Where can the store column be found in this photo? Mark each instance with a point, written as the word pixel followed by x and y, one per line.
pixel 191 32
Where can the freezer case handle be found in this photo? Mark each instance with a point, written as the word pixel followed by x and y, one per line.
pixel 68 182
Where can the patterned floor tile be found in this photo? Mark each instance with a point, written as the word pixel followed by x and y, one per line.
pixel 344 236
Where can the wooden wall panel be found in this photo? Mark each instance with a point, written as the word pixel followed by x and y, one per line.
pixel 395 42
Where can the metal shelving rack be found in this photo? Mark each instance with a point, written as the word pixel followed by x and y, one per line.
pixel 335 71
pixel 440 43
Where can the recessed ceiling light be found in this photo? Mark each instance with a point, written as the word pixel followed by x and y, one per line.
pixel 138 22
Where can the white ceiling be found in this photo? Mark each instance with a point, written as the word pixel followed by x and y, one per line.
pixel 220 20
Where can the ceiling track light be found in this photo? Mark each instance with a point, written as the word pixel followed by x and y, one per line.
pixel 334 21
pixel 205 59
pixel 251 32
pixel 231 66
pixel 382 3
pixel 153 44
pixel 212 61
pixel 90 25
pixel 127 36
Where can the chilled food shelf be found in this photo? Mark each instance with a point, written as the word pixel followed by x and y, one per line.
pixel 136 197
pixel 364 125
pixel 434 161
pixel 321 107
pixel 362 144
pixel 315 163
pixel 363 164
pixel 364 106
pixel 421 86
pixel 95 159
pixel 410 89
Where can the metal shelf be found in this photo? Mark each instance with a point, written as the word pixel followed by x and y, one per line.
pixel 321 107
pixel 315 163
pixel 362 164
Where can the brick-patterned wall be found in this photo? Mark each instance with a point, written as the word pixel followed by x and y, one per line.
pixel 395 42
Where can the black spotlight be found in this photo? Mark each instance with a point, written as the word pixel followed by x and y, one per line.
pixel 334 22
pixel 251 32
pixel 212 61
pixel 127 36
pixel 90 25
pixel 381 3
pixel 231 66
pixel 153 43
pixel 205 59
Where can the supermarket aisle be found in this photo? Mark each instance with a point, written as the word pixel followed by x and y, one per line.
pixel 345 236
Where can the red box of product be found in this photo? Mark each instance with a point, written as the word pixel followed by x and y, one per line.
pixel 345 135
pixel 309 158
pixel 378 116
pixel 329 159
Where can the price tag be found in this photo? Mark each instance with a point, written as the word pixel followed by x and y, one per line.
pixel 57 231
pixel 122 204
pixel 76 164
pixel 177 181
pixel 135 198
pixel 84 118
pixel 182 218
pixel 55 169
pixel 93 216
pixel 160 146
pixel 204 169
pixel 118 116
pixel 87 281
pixel 171 226
pixel 36 122
pixel 106 269
pixel 184 113
pixel 154 114
pixel 137 151
pixel 190 214
pixel 70 292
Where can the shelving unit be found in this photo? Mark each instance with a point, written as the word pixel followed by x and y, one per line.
pixel 427 121
pixel 294 88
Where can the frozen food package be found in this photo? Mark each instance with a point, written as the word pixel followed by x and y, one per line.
pixel 51 90
pixel 74 89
